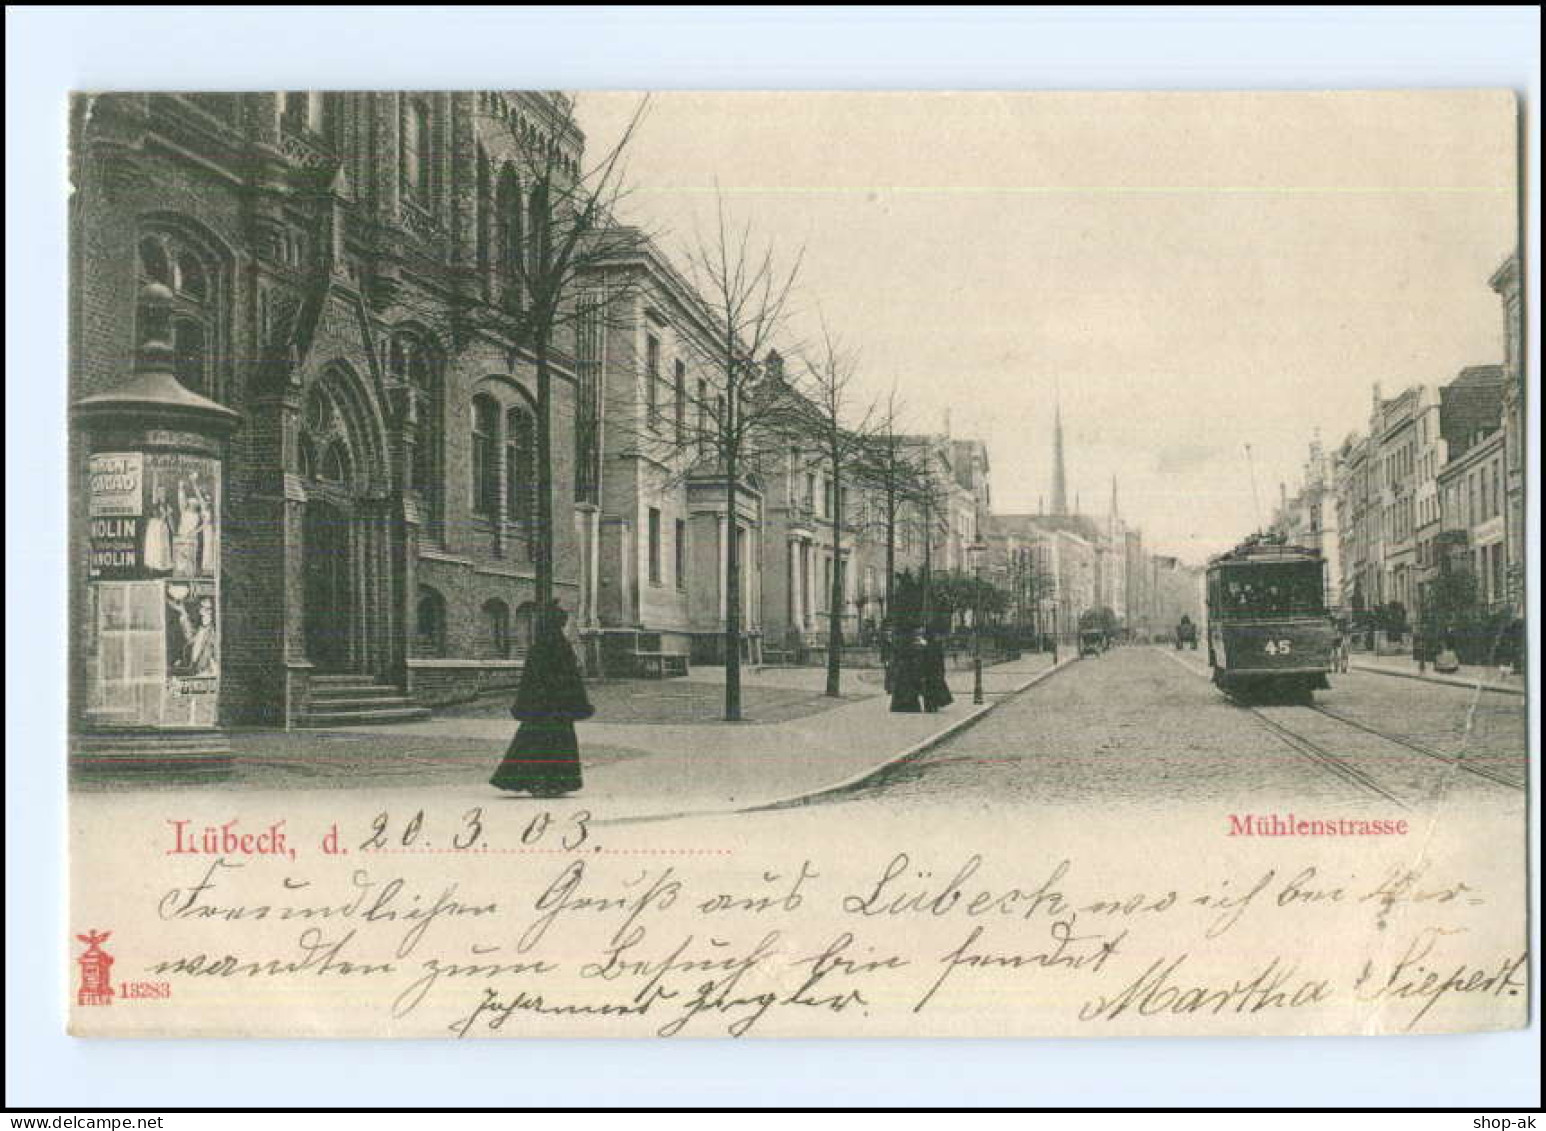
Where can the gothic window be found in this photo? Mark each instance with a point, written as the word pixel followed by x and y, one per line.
pixel 485 466
pixel 189 321
pixel 324 446
pixel 416 157
pixel 412 362
pixel 496 621
pixel 507 225
pixel 431 618
pixel 520 466
pixel 538 228
pixel 525 624
pixel 484 233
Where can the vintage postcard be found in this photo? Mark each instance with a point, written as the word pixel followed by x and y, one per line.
pixel 796 564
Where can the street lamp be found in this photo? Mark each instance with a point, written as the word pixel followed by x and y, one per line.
pixel 976 550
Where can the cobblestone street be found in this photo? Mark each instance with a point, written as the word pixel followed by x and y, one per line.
pixel 1144 725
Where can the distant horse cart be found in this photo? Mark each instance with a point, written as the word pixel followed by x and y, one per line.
pixel 1186 634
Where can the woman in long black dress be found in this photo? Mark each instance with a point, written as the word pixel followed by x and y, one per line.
pixel 906 674
pixel 936 692
pixel 544 757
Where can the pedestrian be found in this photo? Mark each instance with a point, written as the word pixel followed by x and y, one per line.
pixel 935 691
pixel 544 757
pixel 906 674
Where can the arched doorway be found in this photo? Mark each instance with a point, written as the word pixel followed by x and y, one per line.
pixel 345 562
pixel 328 554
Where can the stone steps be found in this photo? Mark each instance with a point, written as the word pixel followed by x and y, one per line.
pixel 408 712
pixel 354 700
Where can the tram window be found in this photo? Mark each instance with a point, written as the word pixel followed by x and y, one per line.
pixel 1273 591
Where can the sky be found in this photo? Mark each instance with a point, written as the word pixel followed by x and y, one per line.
pixel 1187 274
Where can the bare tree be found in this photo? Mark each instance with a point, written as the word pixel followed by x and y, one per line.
pixel 745 294
pixel 566 223
pixel 824 407
pixel 929 497
pixel 890 467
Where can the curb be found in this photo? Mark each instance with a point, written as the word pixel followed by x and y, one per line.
pixel 854 781
pixel 1469 685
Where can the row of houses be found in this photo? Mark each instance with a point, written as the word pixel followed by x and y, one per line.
pixel 1059 565
pixel 801 533
pixel 1433 486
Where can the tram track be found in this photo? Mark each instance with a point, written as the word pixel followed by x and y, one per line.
pixel 1287 724
pixel 1315 752
pixel 1456 761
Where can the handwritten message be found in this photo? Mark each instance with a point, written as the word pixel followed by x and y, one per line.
pixel 475 923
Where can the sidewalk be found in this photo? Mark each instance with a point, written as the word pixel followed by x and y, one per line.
pixel 1469 676
pixel 724 767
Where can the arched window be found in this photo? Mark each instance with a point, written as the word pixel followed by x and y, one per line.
pixel 416 157
pixel 325 454
pixel 508 235
pixel 483 228
pixel 525 625
pixel 431 618
pixel 485 463
pixel 189 324
pixel 538 230
pixel 520 466
pixel 412 361
pixel 496 623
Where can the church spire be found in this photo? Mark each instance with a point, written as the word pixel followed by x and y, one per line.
pixel 1059 472
pixel 1114 512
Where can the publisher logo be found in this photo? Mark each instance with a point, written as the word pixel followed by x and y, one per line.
pixel 96 986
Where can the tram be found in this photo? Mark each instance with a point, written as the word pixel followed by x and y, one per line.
pixel 1269 633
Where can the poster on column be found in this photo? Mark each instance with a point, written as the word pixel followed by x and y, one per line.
pixel 182 505
pixel 885 733
pixel 115 506
pixel 192 654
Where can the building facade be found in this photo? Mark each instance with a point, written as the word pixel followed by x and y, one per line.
pixel 340 270
pixel 1309 517
pixel 1473 481
pixel 665 516
pixel 1394 444
pixel 1505 281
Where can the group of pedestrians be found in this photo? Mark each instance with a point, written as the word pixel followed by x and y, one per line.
pixel 917 673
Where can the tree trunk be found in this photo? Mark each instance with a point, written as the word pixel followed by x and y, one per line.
pixel 543 520
pixel 890 550
pixel 835 595
pixel 732 596
pixel 928 564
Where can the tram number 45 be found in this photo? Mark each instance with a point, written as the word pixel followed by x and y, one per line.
pixel 1278 647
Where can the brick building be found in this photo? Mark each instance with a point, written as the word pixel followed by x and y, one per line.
pixel 340 266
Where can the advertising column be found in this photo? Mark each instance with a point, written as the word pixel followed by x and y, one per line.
pixel 151 642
